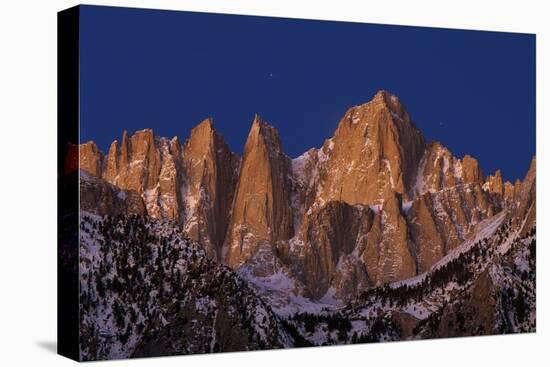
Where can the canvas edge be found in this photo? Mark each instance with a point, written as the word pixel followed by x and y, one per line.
pixel 67 182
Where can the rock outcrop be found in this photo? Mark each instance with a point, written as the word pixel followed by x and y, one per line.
pixel 439 221
pixel 525 196
pixel 375 149
pixel 90 158
pixel 100 197
pixel 494 183
pixel 427 201
pixel 191 184
pixel 261 210
pixel 387 255
pixel 440 170
pixel 149 166
pixel 330 234
pixel 211 171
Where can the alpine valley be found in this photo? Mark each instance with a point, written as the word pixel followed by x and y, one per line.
pixel 377 235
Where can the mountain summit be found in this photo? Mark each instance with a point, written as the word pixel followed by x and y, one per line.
pixel 374 204
pixel 261 210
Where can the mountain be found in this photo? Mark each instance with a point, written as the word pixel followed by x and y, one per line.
pixel 375 213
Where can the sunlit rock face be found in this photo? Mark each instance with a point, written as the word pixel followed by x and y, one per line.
pixel 210 176
pixel 375 150
pixel 261 210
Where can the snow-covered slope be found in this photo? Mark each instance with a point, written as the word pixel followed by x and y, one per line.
pixel 145 290
pixel 276 284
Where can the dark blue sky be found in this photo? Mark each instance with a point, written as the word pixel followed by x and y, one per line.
pixel 473 91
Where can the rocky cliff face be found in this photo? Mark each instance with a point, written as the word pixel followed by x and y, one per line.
pixel 102 198
pixel 441 220
pixel 370 162
pixel 145 164
pixel 388 255
pixel 90 158
pixel 524 200
pixel 439 170
pixel 494 183
pixel 330 234
pixel 426 201
pixel 191 184
pixel 261 211
pixel 211 172
pixel 375 204
pixel 375 150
